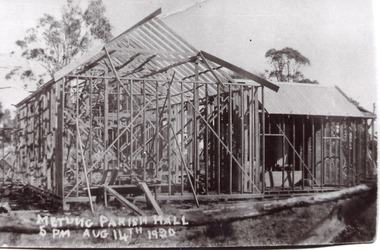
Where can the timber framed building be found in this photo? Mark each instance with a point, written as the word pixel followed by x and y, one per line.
pixel 149 113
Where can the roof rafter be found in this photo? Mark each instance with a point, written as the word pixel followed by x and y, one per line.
pixel 140 67
pixel 202 72
pixel 128 61
pixel 240 71
pixel 171 66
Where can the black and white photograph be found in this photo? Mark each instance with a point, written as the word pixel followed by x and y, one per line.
pixel 189 123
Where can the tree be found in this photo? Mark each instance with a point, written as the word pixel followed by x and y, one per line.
pixel 55 43
pixel 286 65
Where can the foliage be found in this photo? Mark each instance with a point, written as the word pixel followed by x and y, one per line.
pixel 286 65
pixel 6 121
pixel 235 75
pixel 54 43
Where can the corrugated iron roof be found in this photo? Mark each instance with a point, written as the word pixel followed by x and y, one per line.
pixel 309 99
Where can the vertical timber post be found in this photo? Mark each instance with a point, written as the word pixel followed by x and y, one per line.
pixel 340 153
pixel 230 134
pixel 263 136
pixel 206 140
pixel 105 143
pixel 144 154
pixel 252 138
pixel 195 132
pixel 182 137
pixel 365 148
pixel 283 152
pixel 348 125
pixel 218 139
pixel 354 163
pixel 313 153
pixel 294 152
pixel 59 147
pixel 131 129
pixel 90 133
pixel 359 150
pixel 77 135
pixel 118 123
pixel 257 137
pixel 303 156
pixel 242 135
pixel 322 151
pixel 169 139
pixel 373 154
pixel 157 139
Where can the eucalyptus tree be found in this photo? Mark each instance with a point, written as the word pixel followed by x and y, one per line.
pixel 55 42
pixel 287 64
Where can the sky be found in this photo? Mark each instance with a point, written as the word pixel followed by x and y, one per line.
pixel 337 36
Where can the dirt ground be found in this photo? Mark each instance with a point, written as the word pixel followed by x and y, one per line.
pixel 354 217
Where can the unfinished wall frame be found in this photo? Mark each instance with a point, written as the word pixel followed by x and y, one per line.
pixel 148 108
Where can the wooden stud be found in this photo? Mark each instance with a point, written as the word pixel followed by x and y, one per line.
pixel 340 153
pixel 365 149
pixel 118 124
pixel 294 153
pixel 263 138
pixel 144 132
pixel 196 129
pixel 59 147
pixel 349 164
pixel 218 133
pixel 304 155
pixel 331 159
pixel 322 151
pixel 169 139
pixel 131 128
pixel 257 138
pixel 242 135
pixel 252 137
pixel 189 134
pixel 77 135
pixel 230 131
pixel 182 137
pixel 373 155
pixel 359 150
pixel 206 140
pixel 337 150
pixel 156 141
pixel 354 154
pixel 91 121
pixel 283 153
pixel 105 138
pixel 313 152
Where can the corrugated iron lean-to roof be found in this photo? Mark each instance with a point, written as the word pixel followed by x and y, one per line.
pixel 309 99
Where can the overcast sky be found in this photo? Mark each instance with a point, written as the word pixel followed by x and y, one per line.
pixel 336 35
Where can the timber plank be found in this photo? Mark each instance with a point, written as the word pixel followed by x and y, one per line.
pixel 150 198
pixel 124 201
